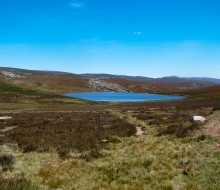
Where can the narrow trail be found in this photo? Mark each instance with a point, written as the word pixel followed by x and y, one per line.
pixel 140 125
pixel 212 128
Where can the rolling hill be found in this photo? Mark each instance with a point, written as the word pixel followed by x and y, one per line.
pixel 61 82
pixel 172 81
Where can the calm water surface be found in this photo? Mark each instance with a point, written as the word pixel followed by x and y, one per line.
pixel 121 96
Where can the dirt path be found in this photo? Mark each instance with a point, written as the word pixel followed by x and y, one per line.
pixel 140 125
pixel 212 128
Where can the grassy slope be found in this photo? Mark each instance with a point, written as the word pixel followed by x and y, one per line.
pixel 17 97
pixel 54 83
pixel 6 87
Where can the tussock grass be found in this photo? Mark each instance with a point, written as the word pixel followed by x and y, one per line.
pixel 16 183
pixel 135 163
pixel 23 174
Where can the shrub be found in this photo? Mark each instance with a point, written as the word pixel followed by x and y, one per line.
pixel 6 161
pixel 178 130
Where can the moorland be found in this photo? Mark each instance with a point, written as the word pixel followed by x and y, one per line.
pixel 50 141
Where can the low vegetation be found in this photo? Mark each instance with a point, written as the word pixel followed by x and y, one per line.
pixel 75 132
pixel 55 142
pixel 15 183
pixel 147 162
pixel 216 108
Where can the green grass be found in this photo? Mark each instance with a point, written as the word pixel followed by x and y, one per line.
pixel 148 162
pixel 216 108
pixel 5 87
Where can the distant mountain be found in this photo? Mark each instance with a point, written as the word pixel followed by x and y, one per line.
pixel 171 81
pixel 205 79
pixel 182 82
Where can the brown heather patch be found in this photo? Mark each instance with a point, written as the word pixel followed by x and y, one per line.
pixel 169 121
pixel 76 132
pixel 178 130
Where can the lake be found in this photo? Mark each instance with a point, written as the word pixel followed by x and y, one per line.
pixel 121 96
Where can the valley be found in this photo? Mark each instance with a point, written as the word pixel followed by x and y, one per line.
pixel 48 141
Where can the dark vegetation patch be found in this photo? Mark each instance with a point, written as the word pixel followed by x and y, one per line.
pixel 76 132
pixel 178 130
pixel 25 95
pixel 6 161
pixel 186 104
pixel 216 108
pixel 15 183
pixel 5 87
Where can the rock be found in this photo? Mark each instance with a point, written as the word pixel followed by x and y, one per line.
pixel 101 85
pixel 139 131
pixel 9 74
pixel 199 118
pixel 5 118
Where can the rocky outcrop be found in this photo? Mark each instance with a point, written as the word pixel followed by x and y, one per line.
pixel 9 74
pixel 100 85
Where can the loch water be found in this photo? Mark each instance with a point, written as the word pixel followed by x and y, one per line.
pixel 121 96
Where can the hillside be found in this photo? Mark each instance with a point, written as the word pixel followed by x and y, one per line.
pixel 182 82
pixel 61 82
pixel 208 92
pixel 135 86
pixel 45 80
pixel 176 82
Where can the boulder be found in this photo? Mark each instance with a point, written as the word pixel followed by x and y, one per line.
pixel 5 117
pixel 199 118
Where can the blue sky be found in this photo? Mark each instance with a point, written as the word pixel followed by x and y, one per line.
pixel 135 37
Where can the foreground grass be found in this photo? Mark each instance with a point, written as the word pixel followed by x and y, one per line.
pixel 148 162
pixel 131 163
pixel 140 163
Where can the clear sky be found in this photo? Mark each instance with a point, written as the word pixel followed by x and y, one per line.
pixel 135 37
